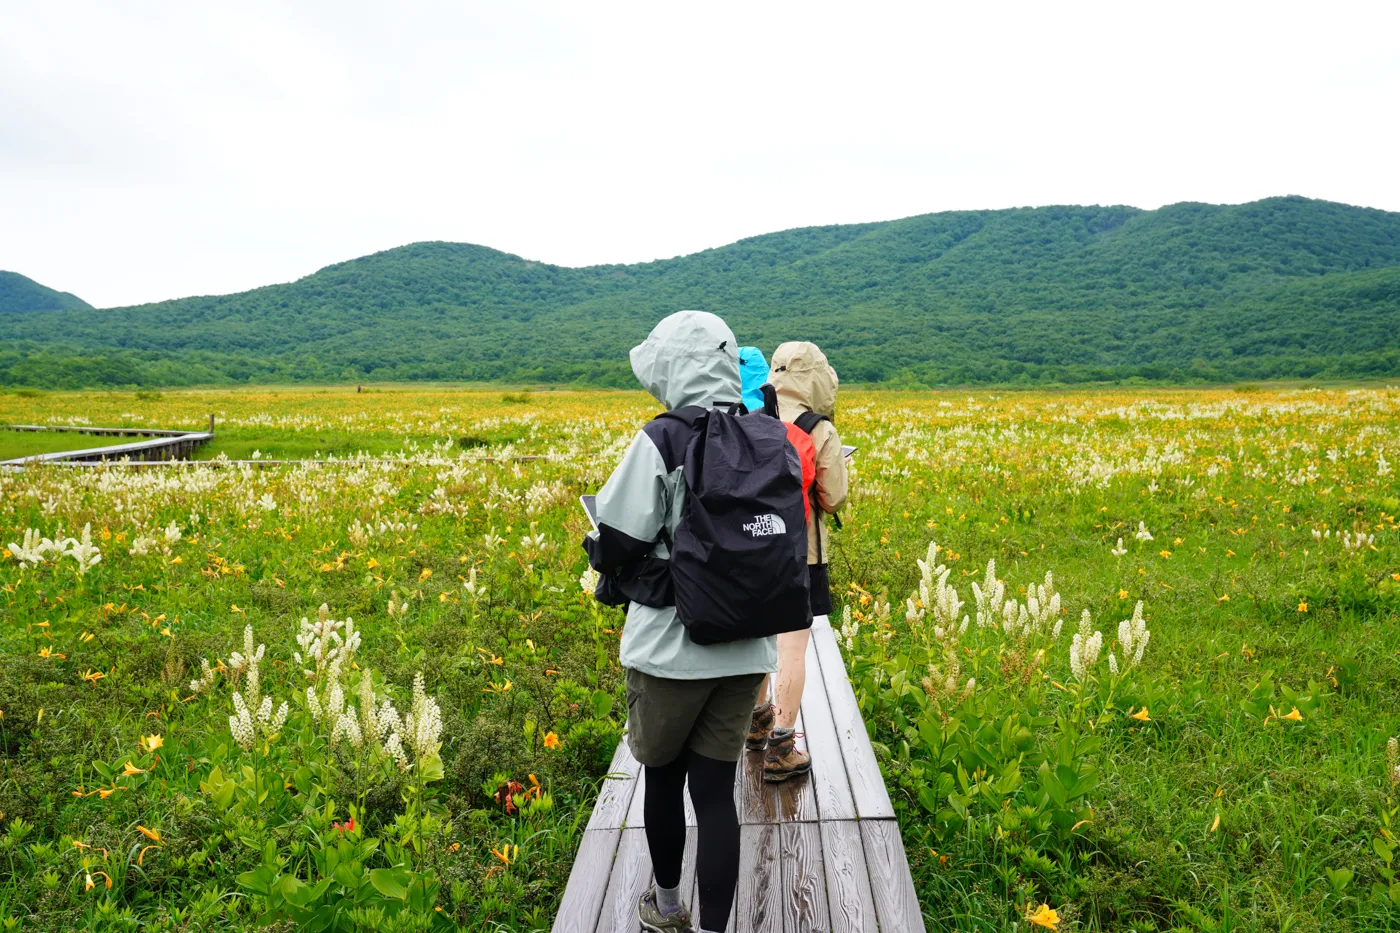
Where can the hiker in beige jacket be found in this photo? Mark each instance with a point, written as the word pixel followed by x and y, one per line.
pixel 805 382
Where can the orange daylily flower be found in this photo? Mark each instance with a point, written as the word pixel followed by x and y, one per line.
pixel 1294 716
pixel 1044 916
pixel 93 677
pixel 150 743
pixel 150 834
pixel 141 856
pixel 131 770
pixel 1140 715
pixel 552 741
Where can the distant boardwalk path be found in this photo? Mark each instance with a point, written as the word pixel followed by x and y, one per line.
pixel 818 854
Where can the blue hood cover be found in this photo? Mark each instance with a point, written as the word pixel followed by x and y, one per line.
pixel 753 372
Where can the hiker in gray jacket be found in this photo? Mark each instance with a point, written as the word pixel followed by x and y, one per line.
pixel 688 705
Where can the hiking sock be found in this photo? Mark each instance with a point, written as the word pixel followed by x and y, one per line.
pixel 668 900
pixel 782 735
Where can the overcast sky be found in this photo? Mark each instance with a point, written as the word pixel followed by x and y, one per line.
pixel 152 150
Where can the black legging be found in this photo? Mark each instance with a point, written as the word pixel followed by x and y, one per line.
pixel 717 837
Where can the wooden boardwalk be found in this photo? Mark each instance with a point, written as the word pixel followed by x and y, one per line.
pixel 163 446
pixel 820 853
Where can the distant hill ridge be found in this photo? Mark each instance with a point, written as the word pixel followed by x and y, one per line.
pixel 19 293
pixel 1281 288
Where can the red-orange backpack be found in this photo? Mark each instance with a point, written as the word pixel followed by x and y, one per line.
pixel 799 435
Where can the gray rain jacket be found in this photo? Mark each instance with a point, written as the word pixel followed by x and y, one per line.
pixel 689 358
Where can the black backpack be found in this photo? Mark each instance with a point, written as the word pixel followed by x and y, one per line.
pixel 739 555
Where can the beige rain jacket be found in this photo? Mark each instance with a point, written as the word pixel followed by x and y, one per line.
pixel 805 381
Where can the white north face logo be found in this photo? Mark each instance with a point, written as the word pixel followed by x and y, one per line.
pixel 764 525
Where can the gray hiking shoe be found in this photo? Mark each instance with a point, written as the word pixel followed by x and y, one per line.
pixel 654 921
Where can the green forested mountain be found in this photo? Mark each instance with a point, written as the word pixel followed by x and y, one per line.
pixel 18 293
pixel 1286 287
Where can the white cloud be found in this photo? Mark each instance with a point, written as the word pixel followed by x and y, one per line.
pixel 161 149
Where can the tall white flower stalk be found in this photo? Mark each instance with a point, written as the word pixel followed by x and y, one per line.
pixel 35 549
pixel 989 597
pixel 1084 649
pixel 324 642
pixel 1132 639
pixel 1027 630
pixel 252 712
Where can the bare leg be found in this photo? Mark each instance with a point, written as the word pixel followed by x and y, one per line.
pixel 792 676
pixel 762 697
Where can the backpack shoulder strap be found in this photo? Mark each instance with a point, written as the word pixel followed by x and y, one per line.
pixel 809 420
pixel 770 399
pixel 690 415
pixel 671 432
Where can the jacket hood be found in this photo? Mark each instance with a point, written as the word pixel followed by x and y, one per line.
pixel 689 358
pixel 753 373
pixel 803 377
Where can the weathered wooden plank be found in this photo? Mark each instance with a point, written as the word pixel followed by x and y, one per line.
pixel 758 901
pixel 804 898
pixel 828 780
pixel 755 799
pixel 896 904
pixel 688 877
pixel 631 874
pixel 636 813
pixel 797 798
pixel 867 786
pixel 849 897
pixel 615 794
pixel 588 882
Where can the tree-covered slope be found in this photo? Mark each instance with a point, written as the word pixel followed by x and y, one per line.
pixel 19 293
pixel 1286 287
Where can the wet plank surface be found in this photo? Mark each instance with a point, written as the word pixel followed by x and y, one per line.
pixel 851 903
pixel 758 902
pixel 804 879
pixel 828 780
pixel 817 853
pixel 583 900
pixel 896 904
pixel 631 875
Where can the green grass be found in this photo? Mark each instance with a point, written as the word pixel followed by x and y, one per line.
pixel 15 444
pixel 1122 835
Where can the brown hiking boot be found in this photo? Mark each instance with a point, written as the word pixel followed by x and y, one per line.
pixel 759 727
pixel 784 759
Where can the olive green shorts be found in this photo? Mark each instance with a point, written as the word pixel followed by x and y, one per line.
pixel 710 717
